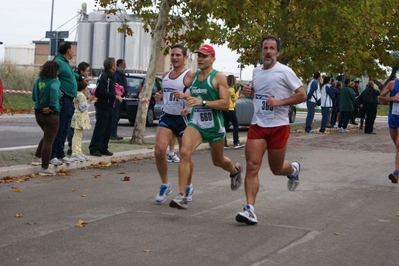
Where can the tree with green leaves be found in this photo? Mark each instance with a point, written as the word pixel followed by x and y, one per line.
pixel 352 37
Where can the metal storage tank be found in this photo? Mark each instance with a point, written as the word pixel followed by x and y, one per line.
pixel 132 46
pixel 116 41
pixel 96 16
pixel 145 50
pixel 100 44
pixel 85 37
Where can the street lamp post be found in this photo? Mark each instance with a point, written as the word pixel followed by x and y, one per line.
pixel 51 29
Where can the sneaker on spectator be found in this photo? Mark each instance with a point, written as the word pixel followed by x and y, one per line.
pixel 55 161
pixel 67 160
pixel 179 202
pixel 164 190
pixel 248 216
pixel 84 156
pixel 189 193
pixel 293 180
pixel 46 172
pixel 173 159
pixel 393 177
pixel 238 145
pixel 78 158
pixel 236 180
pixel 36 161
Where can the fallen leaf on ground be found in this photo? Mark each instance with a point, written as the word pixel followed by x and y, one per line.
pixel 146 250
pixel 81 223
pixel 72 189
pixel 96 175
pixel 126 178
pixel 30 223
pixel 18 215
pixel 16 189
pixel 336 234
pixel 83 195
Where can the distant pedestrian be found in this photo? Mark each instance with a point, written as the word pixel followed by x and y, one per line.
pixel 368 103
pixel 335 86
pixel 327 99
pixel 346 106
pixel 46 94
pixel 80 121
pixel 390 94
pixel 230 115
pixel 106 95
pixel 313 96
pixel 120 79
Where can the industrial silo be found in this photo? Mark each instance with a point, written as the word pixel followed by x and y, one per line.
pixel 100 44
pixel 116 41
pixel 132 46
pixel 85 45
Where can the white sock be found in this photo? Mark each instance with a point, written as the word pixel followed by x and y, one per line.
pixel 171 153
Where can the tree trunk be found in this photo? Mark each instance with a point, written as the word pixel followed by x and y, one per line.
pixel 157 34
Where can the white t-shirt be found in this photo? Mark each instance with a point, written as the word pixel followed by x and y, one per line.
pixel 171 105
pixel 279 82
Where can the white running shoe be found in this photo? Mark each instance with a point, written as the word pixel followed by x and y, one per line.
pixel 46 172
pixel 55 161
pixel 293 181
pixel 173 159
pixel 189 193
pixel 179 202
pixel 247 216
pixel 78 158
pixel 236 180
pixel 84 156
pixel 36 161
pixel 67 160
pixel 164 190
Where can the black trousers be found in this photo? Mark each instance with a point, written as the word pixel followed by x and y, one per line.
pixel 102 131
pixel 371 114
pixel 230 116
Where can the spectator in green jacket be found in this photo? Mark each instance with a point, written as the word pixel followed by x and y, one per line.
pixel 346 105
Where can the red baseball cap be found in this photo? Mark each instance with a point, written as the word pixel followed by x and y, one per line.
pixel 206 49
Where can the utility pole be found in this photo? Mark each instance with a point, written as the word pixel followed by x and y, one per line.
pixel 51 30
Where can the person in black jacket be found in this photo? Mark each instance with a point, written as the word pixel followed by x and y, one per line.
pixel 120 78
pixel 105 93
pixel 368 100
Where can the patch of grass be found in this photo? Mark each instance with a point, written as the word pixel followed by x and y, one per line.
pixel 17 78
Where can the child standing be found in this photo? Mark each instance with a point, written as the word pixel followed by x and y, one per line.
pixel 80 120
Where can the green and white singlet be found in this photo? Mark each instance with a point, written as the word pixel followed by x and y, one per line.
pixel 207 121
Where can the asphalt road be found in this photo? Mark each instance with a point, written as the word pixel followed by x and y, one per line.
pixel 344 212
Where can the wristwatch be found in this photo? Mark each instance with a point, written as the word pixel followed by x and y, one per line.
pixel 203 103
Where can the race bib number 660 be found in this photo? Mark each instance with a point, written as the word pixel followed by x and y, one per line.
pixel 203 117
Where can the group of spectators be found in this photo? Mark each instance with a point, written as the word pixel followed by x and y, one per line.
pixel 61 107
pixel 341 103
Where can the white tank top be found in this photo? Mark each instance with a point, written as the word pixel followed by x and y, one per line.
pixel 171 105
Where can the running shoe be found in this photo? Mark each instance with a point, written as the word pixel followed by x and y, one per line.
pixel 293 180
pixel 189 193
pixel 78 158
pixel 393 178
pixel 36 161
pixel 55 161
pixel 179 202
pixel 46 172
pixel 247 216
pixel 67 160
pixel 164 190
pixel 84 156
pixel 173 159
pixel 236 180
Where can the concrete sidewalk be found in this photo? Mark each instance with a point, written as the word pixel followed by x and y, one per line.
pixel 344 212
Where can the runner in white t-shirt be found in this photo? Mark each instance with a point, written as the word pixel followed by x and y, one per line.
pixel 274 87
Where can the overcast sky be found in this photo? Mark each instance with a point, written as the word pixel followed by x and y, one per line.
pixel 24 21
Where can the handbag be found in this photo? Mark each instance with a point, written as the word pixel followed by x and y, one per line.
pixel 318 101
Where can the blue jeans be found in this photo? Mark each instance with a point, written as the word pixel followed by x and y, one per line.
pixel 325 115
pixel 310 117
pixel 66 113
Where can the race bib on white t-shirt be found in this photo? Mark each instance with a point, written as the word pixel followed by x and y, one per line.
pixel 261 109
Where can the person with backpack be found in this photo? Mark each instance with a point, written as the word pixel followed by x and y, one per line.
pixel 368 100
